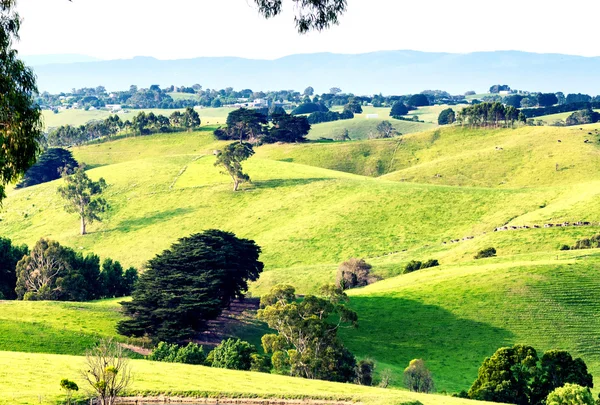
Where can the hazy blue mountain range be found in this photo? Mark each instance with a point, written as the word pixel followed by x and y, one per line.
pixel 388 72
pixel 38 60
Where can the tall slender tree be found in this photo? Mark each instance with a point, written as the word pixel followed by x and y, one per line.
pixel 81 195
pixel 231 158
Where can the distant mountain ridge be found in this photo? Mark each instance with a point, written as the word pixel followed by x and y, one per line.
pixel 40 60
pixel 388 72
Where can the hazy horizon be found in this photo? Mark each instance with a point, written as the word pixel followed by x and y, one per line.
pixel 233 28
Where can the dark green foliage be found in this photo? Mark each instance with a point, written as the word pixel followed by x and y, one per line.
pixel 55 272
pixel 20 117
pixel 115 282
pixel 244 125
pixel 516 375
pixel 69 387
pixel 587 243
pixel 306 343
pixel 556 368
pixel 490 115
pixel 578 98
pixel 230 160
pixel 233 354
pixel 364 372
pixel 547 99
pixel 48 167
pixel 487 252
pixel 418 100
pixel 9 257
pixel 565 247
pixel 412 403
pixel 583 117
pixel 571 394
pixel 514 100
pixel 309 108
pixel 497 88
pixel 415 265
pixel 447 117
pixel 172 353
pixel 287 128
pixel 398 109
pixel 354 107
pixel 562 108
pixel 505 376
pixel 260 364
pixel 320 117
pixel 189 284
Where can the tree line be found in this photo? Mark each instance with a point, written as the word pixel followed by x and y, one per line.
pixel 141 124
pixel 494 115
pixel 50 271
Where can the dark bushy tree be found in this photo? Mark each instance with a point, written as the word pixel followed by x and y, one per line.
pixel 487 252
pixel 287 128
pixel 48 167
pixel 418 100
pixel 447 117
pixel 557 368
pixel 398 109
pixel 190 284
pixel 578 98
pixel 505 376
pixel 415 265
pixel 364 372
pixel 583 117
pixel 570 394
pixel 354 107
pixel 547 99
pixel 417 377
pixel 244 124
pixel 9 257
pixel 320 117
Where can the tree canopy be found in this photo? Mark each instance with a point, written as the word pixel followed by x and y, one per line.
pixel 48 167
pixel 306 342
pixel 310 14
pixel 230 160
pixel 81 195
pixel 20 117
pixel 189 284
pixel 9 257
pixel 398 109
pixel 447 117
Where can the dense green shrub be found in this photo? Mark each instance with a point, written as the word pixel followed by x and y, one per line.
pixel 583 117
pixel 488 252
pixel 354 273
pixel 233 354
pixel 418 100
pixel 364 372
pixel 172 353
pixel 588 243
pixel 329 116
pixel 570 394
pixel 415 265
pixel 9 257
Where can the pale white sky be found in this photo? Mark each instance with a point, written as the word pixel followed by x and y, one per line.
pixel 173 29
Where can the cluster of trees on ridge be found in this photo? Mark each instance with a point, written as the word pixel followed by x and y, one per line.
pixel 50 271
pixel 141 124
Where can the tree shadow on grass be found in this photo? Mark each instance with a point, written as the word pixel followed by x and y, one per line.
pixel 274 183
pixel 134 224
pixel 395 330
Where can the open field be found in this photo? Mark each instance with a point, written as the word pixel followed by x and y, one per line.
pixel 209 116
pixel 36 381
pixel 549 119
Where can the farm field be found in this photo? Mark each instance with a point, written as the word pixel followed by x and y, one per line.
pixel 38 377
pixel 311 206
pixel 209 116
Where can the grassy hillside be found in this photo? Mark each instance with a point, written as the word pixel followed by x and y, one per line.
pixel 311 206
pixel 36 381
pixel 209 116
pixel 455 316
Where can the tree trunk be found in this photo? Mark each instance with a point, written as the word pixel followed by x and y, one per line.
pixel 83 232
pixel 236 184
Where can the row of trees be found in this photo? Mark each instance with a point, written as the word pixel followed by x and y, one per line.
pixel 54 272
pixel 490 115
pixel 141 124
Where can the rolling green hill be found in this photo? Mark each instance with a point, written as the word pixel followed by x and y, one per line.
pixel 311 206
